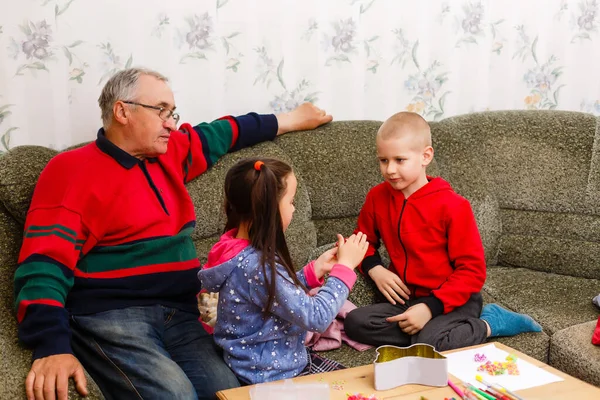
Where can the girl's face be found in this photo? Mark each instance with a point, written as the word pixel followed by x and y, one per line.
pixel 286 204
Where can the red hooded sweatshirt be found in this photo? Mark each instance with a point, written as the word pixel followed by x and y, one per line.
pixel 432 239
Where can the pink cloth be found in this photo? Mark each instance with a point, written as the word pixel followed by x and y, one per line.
pixel 333 337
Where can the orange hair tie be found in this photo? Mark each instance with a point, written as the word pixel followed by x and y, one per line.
pixel 258 164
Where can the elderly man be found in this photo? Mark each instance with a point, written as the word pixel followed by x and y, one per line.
pixel 107 270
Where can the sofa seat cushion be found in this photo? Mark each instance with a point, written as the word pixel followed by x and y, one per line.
pixel 555 301
pixel 534 344
pixel 572 351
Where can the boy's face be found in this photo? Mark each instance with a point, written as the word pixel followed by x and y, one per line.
pixel 402 161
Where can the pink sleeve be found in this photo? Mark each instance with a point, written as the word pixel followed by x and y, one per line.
pixel 311 277
pixel 345 274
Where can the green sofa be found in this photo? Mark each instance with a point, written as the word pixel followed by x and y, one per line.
pixel 533 178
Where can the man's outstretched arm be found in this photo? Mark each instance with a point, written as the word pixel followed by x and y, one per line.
pixel 199 147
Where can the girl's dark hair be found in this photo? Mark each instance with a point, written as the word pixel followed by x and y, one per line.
pixel 252 196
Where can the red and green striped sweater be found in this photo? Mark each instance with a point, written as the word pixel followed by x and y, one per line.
pixel 106 230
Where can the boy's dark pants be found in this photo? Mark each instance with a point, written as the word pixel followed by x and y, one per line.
pixel 459 328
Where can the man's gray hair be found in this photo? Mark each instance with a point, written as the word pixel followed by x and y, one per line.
pixel 122 86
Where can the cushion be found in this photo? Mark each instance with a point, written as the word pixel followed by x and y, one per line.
pixel 534 160
pixel 20 169
pixel 563 243
pixel 555 301
pixel 572 351
pixel 338 164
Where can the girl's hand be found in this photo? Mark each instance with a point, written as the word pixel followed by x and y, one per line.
pixel 353 250
pixel 325 262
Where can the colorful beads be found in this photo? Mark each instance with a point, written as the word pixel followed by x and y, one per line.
pixel 360 396
pixel 501 367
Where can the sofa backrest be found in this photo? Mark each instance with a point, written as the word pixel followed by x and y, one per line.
pixel 542 168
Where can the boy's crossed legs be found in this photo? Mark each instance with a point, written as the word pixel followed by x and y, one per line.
pixel 465 326
pixel 460 328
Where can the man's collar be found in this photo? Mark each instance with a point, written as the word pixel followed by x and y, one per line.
pixel 121 156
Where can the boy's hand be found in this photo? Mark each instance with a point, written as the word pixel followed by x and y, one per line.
pixel 389 284
pixel 325 262
pixel 412 320
pixel 352 251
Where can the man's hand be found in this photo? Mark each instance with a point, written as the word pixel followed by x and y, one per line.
pixel 304 117
pixel 49 378
pixel 389 284
pixel 412 320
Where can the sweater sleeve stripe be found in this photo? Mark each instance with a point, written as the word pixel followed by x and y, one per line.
pixel 208 142
pixel 193 165
pixel 41 282
pixel 235 130
pixel 60 231
pixel 215 138
pixel 26 303
pixel 57 227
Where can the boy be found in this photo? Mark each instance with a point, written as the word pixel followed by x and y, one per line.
pixel 437 264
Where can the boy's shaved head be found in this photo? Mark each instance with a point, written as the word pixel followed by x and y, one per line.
pixel 405 124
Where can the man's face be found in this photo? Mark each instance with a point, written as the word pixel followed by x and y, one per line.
pixel 147 133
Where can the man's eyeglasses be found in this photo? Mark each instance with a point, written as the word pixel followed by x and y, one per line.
pixel 163 113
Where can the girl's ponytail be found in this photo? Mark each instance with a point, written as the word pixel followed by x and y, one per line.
pixel 253 189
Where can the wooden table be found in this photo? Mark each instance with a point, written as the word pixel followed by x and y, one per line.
pixel 360 380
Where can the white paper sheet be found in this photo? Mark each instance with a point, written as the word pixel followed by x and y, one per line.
pixel 462 365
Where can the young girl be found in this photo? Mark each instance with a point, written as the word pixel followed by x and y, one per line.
pixel 264 310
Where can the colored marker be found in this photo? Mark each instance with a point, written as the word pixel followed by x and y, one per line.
pixel 456 389
pixel 499 395
pixel 482 393
pixel 498 388
pixel 494 395
pixel 471 395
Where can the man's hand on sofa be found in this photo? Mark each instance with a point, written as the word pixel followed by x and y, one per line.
pixel 48 378
pixel 304 117
pixel 412 320
pixel 389 284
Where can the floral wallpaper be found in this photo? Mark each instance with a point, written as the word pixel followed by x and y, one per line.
pixel 359 59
